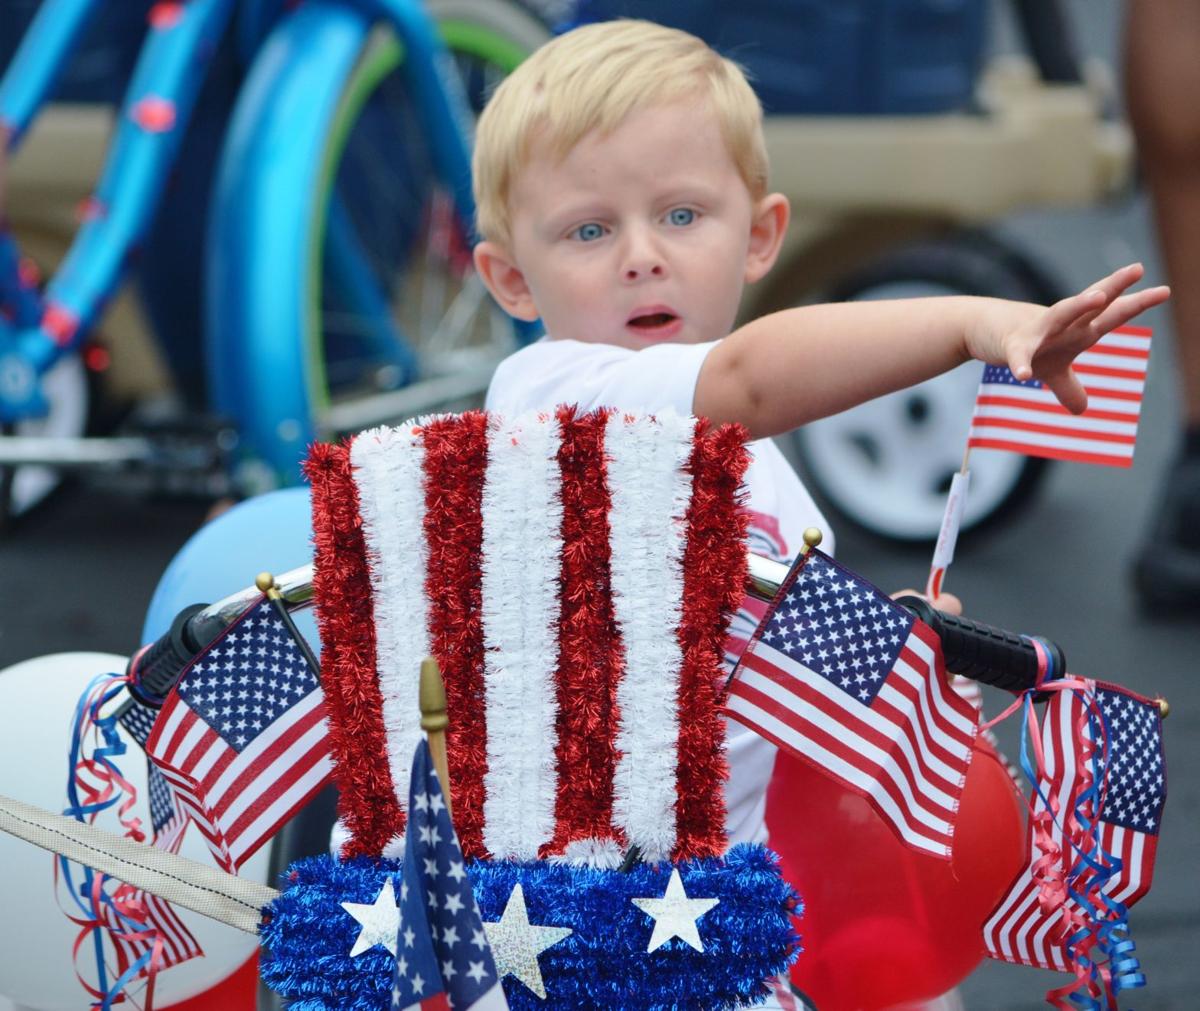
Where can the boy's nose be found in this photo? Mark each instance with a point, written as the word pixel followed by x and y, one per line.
pixel 647 268
pixel 643 259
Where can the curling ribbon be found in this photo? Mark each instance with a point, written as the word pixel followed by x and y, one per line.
pixel 96 784
pixel 1092 921
pixel 1102 922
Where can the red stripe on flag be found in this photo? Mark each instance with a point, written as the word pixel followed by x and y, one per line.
pixel 1070 433
pixel 255 759
pixel 714 567
pixel 940 696
pixel 1050 452
pixel 1133 396
pixel 853 729
pixel 200 750
pixel 166 752
pixel 367 799
pixel 836 744
pixel 837 716
pixel 305 776
pixel 455 464
pixel 1106 370
pixel 1055 408
pixel 590 654
pixel 1110 349
pixel 913 723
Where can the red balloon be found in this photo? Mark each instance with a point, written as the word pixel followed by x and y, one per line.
pixel 883 924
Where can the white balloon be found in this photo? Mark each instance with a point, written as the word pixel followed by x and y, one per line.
pixel 37 700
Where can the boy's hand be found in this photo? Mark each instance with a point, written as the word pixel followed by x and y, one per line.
pixel 1041 343
pixel 946 602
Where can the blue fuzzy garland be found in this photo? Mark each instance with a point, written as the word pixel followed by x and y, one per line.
pixel 748 936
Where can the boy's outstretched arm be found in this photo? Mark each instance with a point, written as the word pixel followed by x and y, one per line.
pixel 792 367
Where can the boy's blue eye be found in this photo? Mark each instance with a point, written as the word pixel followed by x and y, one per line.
pixel 589 232
pixel 681 216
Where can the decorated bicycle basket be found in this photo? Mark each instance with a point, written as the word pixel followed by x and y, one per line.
pixel 573 575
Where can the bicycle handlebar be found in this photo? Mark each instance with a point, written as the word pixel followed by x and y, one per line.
pixel 154 669
pixel 970 648
pixel 985 653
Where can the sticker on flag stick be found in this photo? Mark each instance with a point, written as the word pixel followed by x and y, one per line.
pixel 943 552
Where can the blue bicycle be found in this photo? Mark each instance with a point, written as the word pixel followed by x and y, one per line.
pixel 338 289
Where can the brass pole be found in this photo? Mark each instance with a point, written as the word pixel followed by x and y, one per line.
pixel 434 721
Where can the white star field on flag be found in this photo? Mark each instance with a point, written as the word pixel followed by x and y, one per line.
pixel 839 630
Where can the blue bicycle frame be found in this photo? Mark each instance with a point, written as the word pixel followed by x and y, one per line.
pixel 159 102
pixel 271 166
pixel 262 226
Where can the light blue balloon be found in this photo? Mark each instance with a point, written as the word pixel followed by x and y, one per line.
pixel 271 533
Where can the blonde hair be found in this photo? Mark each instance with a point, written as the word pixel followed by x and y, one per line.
pixel 591 78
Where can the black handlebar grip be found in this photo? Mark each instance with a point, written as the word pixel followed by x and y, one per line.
pixel 154 670
pixel 991 655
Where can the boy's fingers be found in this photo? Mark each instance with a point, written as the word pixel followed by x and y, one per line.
pixel 1020 362
pixel 1080 308
pixel 1128 306
pixel 1119 280
pixel 948 603
pixel 1068 311
pixel 1065 385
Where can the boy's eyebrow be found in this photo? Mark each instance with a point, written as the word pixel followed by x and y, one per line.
pixel 570 213
pixel 686 190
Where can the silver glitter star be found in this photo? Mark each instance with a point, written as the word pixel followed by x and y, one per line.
pixel 675 915
pixel 516 943
pixel 380 921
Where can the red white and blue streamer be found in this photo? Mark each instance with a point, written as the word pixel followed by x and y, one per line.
pixel 144 933
pixel 1094 814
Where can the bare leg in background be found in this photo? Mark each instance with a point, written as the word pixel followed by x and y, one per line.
pixel 1162 82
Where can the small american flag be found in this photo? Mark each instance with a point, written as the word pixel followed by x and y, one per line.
pixel 842 676
pixel 166 820
pixel 1025 417
pixel 242 737
pixel 1027 929
pixel 157 916
pixel 442 955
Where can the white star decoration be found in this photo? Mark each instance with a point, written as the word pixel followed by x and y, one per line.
pixel 675 915
pixel 380 921
pixel 516 943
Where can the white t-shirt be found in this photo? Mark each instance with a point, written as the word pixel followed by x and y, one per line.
pixel 552 372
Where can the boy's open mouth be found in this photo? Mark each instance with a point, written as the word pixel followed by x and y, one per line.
pixel 655 319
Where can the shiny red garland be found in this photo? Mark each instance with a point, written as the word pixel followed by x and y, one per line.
pixel 715 566
pixel 455 463
pixel 366 802
pixel 590 657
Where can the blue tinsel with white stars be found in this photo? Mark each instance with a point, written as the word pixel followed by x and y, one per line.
pixel 747 936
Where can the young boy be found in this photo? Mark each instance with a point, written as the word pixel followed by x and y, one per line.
pixel 621 181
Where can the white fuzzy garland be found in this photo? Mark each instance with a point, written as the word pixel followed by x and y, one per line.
pixel 522 549
pixel 388 468
pixel 650 494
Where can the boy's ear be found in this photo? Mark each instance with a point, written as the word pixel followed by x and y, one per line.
pixel 767 228
pixel 506 283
